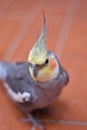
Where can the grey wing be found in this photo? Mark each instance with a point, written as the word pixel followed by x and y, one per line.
pixel 18 88
pixel 19 91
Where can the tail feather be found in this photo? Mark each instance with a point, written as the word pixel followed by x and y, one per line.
pixel 4 67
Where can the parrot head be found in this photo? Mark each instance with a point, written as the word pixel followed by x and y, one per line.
pixel 43 63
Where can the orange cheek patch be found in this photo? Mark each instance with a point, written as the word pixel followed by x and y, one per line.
pixel 52 63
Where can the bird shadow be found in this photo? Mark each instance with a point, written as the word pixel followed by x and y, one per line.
pixel 55 111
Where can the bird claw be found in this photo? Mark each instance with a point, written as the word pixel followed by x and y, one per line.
pixel 34 128
pixel 35 122
pixel 26 120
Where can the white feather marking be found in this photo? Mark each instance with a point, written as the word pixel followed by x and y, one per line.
pixel 18 97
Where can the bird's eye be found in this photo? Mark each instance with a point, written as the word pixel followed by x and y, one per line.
pixel 46 62
pixel 30 64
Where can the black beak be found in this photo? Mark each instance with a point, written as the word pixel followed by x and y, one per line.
pixel 35 70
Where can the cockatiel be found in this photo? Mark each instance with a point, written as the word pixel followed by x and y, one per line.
pixel 36 83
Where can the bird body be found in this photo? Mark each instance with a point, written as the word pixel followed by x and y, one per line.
pixel 28 93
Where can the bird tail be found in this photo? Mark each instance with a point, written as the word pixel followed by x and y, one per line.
pixel 4 67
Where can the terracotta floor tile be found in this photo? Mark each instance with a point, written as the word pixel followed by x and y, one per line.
pixel 67 37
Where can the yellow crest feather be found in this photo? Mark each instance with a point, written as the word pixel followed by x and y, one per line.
pixel 38 53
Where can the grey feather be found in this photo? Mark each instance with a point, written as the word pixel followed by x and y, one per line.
pixel 4 67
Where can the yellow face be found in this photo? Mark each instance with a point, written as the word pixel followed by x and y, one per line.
pixel 45 72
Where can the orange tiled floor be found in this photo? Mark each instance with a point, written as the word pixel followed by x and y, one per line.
pixel 66 36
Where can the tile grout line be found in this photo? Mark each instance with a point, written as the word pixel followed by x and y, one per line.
pixel 25 25
pixel 68 122
pixel 66 26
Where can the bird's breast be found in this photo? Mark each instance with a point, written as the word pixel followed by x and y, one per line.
pixel 46 96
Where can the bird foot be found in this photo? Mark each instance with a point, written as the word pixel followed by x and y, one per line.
pixel 35 122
